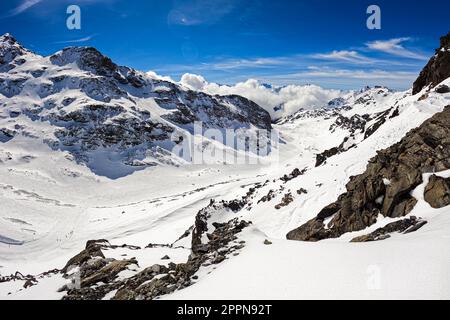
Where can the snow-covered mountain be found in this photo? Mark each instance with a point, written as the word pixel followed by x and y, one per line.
pixel 77 100
pixel 367 174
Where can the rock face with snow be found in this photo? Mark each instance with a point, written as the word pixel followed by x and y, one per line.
pixel 437 69
pixel 384 188
pixel 164 231
pixel 437 192
pixel 10 53
pixel 99 109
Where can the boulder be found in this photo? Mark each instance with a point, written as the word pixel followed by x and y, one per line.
pixel 437 192
pixel 443 89
pixel 92 250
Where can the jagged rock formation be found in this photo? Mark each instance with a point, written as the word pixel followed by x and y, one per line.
pixel 359 127
pixel 437 192
pixel 384 188
pixel 404 226
pixel 94 276
pixel 437 69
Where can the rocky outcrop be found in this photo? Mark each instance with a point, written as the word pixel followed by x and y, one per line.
pixel 437 192
pixel 385 187
pixel 442 89
pixel 352 124
pixel 285 201
pixel 359 127
pixel 407 225
pixel 437 69
pixel 93 276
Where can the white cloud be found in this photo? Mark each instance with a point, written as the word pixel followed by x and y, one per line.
pixel 156 76
pixel 345 56
pixel 193 81
pixel 395 47
pixel 291 98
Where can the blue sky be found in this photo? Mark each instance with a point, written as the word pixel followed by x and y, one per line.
pixel 323 42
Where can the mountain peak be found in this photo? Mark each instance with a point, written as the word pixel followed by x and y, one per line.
pixel 445 42
pixel 10 49
pixel 8 39
pixel 87 58
pixel 437 69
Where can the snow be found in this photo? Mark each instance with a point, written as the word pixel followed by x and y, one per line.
pixel 51 204
pixel 407 266
pixel 413 267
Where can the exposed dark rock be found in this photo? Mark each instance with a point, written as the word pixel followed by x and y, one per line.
pixel 29 280
pixel 405 226
pixel 322 157
pixel 287 199
pixel 379 121
pixel 10 53
pixel 394 114
pixel 6 134
pixel 145 285
pixel 437 69
pixel 268 197
pixel 437 192
pixel 98 276
pixel 352 124
pixel 87 58
pixel 107 273
pixel 384 188
pixel 112 119
pixel 235 205
pixel 355 124
pixel 294 174
pixel 92 250
pixel 267 242
pixel 443 89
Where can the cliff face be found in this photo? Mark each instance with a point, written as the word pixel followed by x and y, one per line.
pixel 384 188
pixel 437 69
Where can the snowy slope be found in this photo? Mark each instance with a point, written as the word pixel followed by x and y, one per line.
pixel 53 204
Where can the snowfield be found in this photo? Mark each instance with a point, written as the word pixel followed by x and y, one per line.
pixel 51 205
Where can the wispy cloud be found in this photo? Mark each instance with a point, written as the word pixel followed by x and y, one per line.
pixel 395 47
pixel 347 59
pixel 251 63
pixel 22 7
pixel 345 56
pixel 356 66
pixel 346 78
pixel 80 40
pixel 319 72
pixel 197 12
pixel 236 64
